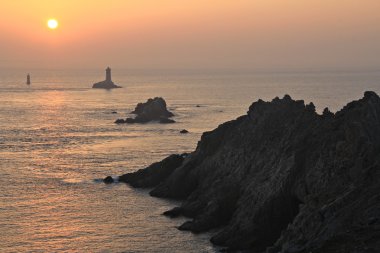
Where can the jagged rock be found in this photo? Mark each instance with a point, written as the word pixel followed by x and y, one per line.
pixel 184 131
pixel 108 180
pixel 153 110
pixel 310 107
pixel 283 179
pixel 327 114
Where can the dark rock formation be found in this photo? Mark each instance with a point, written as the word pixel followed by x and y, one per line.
pixel 152 110
pixel 175 212
pixel 282 179
pixel 154 174
pixel 105 85
pixel 108 180
pixel 120 121
pixel 184 131
pixel 166 121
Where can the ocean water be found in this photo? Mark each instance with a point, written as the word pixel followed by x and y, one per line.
pixel 58 139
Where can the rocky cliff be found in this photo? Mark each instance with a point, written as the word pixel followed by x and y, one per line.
pixel 281 179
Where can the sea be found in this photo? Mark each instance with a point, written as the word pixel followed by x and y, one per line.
pixel 58 141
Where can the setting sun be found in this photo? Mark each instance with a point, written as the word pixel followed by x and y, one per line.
pixel 52 24
pixel 256 121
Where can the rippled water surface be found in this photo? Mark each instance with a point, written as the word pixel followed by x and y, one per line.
pixel 57 139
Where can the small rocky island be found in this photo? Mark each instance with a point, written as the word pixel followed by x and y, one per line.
pixel 152 110
pixel 281 178
pixel 106 84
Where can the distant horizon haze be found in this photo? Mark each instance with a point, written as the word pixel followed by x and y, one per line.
pixel 171 34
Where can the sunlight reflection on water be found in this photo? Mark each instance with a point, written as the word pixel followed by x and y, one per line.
pixel 57 137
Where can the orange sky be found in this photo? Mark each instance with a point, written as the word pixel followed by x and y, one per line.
pixel 250 34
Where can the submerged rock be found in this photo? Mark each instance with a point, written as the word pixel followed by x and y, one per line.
pixel 153 110
pixel 281 179
pixel 184 131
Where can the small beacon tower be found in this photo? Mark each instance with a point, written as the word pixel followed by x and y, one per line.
pixel 28 79
pixel 108 75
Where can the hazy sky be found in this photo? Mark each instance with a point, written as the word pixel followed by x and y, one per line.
pixel 249 34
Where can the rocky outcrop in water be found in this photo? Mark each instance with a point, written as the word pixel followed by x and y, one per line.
pixel 152 110
pixel 105 85
pixel 281 179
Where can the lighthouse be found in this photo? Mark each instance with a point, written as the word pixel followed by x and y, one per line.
pixel 28 79
pixel 106 84
pixel 108 75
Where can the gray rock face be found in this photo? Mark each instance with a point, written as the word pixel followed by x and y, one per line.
pixel 153 110
pixel 283 179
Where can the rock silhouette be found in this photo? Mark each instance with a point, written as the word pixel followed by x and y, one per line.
pixel 120 121
pixel 281 179
pixel 106 84
pixel 153 174
pixel 153 110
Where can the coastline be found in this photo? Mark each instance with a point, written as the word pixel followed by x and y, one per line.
pixel 279 177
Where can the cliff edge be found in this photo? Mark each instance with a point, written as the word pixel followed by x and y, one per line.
pixel 281 179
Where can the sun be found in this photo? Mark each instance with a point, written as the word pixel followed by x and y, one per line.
pixel 52 24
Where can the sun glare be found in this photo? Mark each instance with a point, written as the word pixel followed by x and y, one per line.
pixel 52 24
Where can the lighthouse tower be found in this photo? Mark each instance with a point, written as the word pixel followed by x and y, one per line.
pixel 106 84
pixel 108 74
